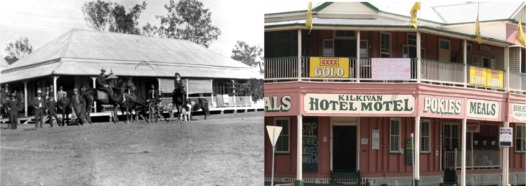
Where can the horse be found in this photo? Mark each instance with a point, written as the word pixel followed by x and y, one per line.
pixel 117 99
pixel 202 104
pixel 156 109
pixel 134 103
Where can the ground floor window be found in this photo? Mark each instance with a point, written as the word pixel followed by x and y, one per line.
pixel 520 138
pixel 395 135
pixel 425 132
pixel 283 143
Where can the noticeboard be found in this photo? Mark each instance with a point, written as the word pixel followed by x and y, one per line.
pixel 310 144
pixel 506 137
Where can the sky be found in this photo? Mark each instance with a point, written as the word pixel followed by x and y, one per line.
pixel 44 20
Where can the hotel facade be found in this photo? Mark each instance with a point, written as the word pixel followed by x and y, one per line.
pixel 364 99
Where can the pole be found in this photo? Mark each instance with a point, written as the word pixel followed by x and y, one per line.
pixel 299 54
pixel 465 61
pixel 358 56
pixel 55 88
pixel 94 80
pixel 463 154
pixel 418 57
pixel 506 162
pixel 25 98
pixel 416 148
pixel 413 160
pixel 299 153
pixel 273 153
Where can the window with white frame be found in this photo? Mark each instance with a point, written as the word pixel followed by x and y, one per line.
pixel 394 135
pixel 385 44
pixel 283 143
pixel 520 138
pixel 425 133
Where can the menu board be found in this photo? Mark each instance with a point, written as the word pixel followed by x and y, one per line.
pixel 310 144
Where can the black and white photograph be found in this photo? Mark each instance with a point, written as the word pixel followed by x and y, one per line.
pixel 131 92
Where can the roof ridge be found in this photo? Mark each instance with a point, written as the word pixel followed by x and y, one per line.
pixel 68 42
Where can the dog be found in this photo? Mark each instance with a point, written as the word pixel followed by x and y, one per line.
pixel 185 114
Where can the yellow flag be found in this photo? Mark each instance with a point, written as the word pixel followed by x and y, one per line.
pixel 520 34
pixel 308 21
pixel 477 29
pixel 414 20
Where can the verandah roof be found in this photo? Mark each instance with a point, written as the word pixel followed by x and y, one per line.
pixel 82 52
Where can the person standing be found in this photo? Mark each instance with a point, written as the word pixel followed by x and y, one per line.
pixel 61 93
pixel 52 111
pixel 78 103
pixel 38 105
pixel 13 107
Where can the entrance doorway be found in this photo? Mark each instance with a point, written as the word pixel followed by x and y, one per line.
pixel 344 148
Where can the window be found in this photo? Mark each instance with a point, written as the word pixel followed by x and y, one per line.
pixel 411 39
pixel 328 47
pixel 385 44
pixel 425 133
pixel 444 44
pixel 282 145
pixel 343 33
pixel 395 135
pixel 520 138
pixel 486 62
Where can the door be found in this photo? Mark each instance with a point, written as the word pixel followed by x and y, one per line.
pixel 344 149
pixel 444 52
pixel 450 142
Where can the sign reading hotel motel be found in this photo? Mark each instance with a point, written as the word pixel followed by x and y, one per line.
pixel 358 104
pixel 329 67
pixel 482 109
pixel 518 111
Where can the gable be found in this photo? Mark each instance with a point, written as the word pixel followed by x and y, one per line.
pixel 348 8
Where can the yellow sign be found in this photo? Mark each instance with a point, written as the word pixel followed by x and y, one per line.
pixel 477 76
pixel 329 67
pixel 494 78
pixel 484 77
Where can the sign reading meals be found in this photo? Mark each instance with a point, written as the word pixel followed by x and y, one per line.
pixel 358 104
pixel 483 109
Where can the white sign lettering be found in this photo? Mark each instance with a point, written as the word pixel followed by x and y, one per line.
pixel 483 109
pixel 358 104
pixel 442 106
pixel 271 104
pixel 518 111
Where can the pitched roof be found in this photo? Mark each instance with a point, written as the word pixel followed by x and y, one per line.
pixel 83 52
pixel 467 12
pixel 3 62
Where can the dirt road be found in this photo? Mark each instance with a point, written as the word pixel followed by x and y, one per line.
pixel 224 150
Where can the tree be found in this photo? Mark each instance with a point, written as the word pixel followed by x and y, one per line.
pixel 252 87
pixel 126 22
pixel 97 14
pixel 250 55
pixel 188 20
pixel 100 15
pixel 17 50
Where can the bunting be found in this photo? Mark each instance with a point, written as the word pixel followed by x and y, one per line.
pixel 414 19
pixel 520 34
pixel 308 21
pixel 477 28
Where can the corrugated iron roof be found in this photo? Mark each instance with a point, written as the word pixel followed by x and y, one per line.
pixel 467 12
pixel 83 52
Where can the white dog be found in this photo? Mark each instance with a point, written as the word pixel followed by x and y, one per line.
pixel 186 113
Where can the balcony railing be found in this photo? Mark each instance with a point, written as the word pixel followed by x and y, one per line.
pixel 517 82
pixel 432 71
pixel 476 159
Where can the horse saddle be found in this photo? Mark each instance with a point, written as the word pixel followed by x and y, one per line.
pixel 102 95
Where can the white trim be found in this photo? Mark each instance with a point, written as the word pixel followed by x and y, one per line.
pixel 523 135
pixel 399 135
pixel 288 133
pixel 429 136
pixel 390 43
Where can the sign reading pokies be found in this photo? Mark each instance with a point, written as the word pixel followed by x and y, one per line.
pixel 329 67
pixel 442 106
pixel 483 109
pixel 358 104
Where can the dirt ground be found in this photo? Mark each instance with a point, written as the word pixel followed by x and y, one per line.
pixel 224 150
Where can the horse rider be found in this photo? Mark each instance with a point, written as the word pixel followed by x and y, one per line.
pixel 79 105
pixel 52 111
pixel 13 106
pixel 179 93
pixel 102 83
pixel 39 105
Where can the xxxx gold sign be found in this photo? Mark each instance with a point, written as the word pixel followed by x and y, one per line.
pixel 484 77
pixel 329 67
